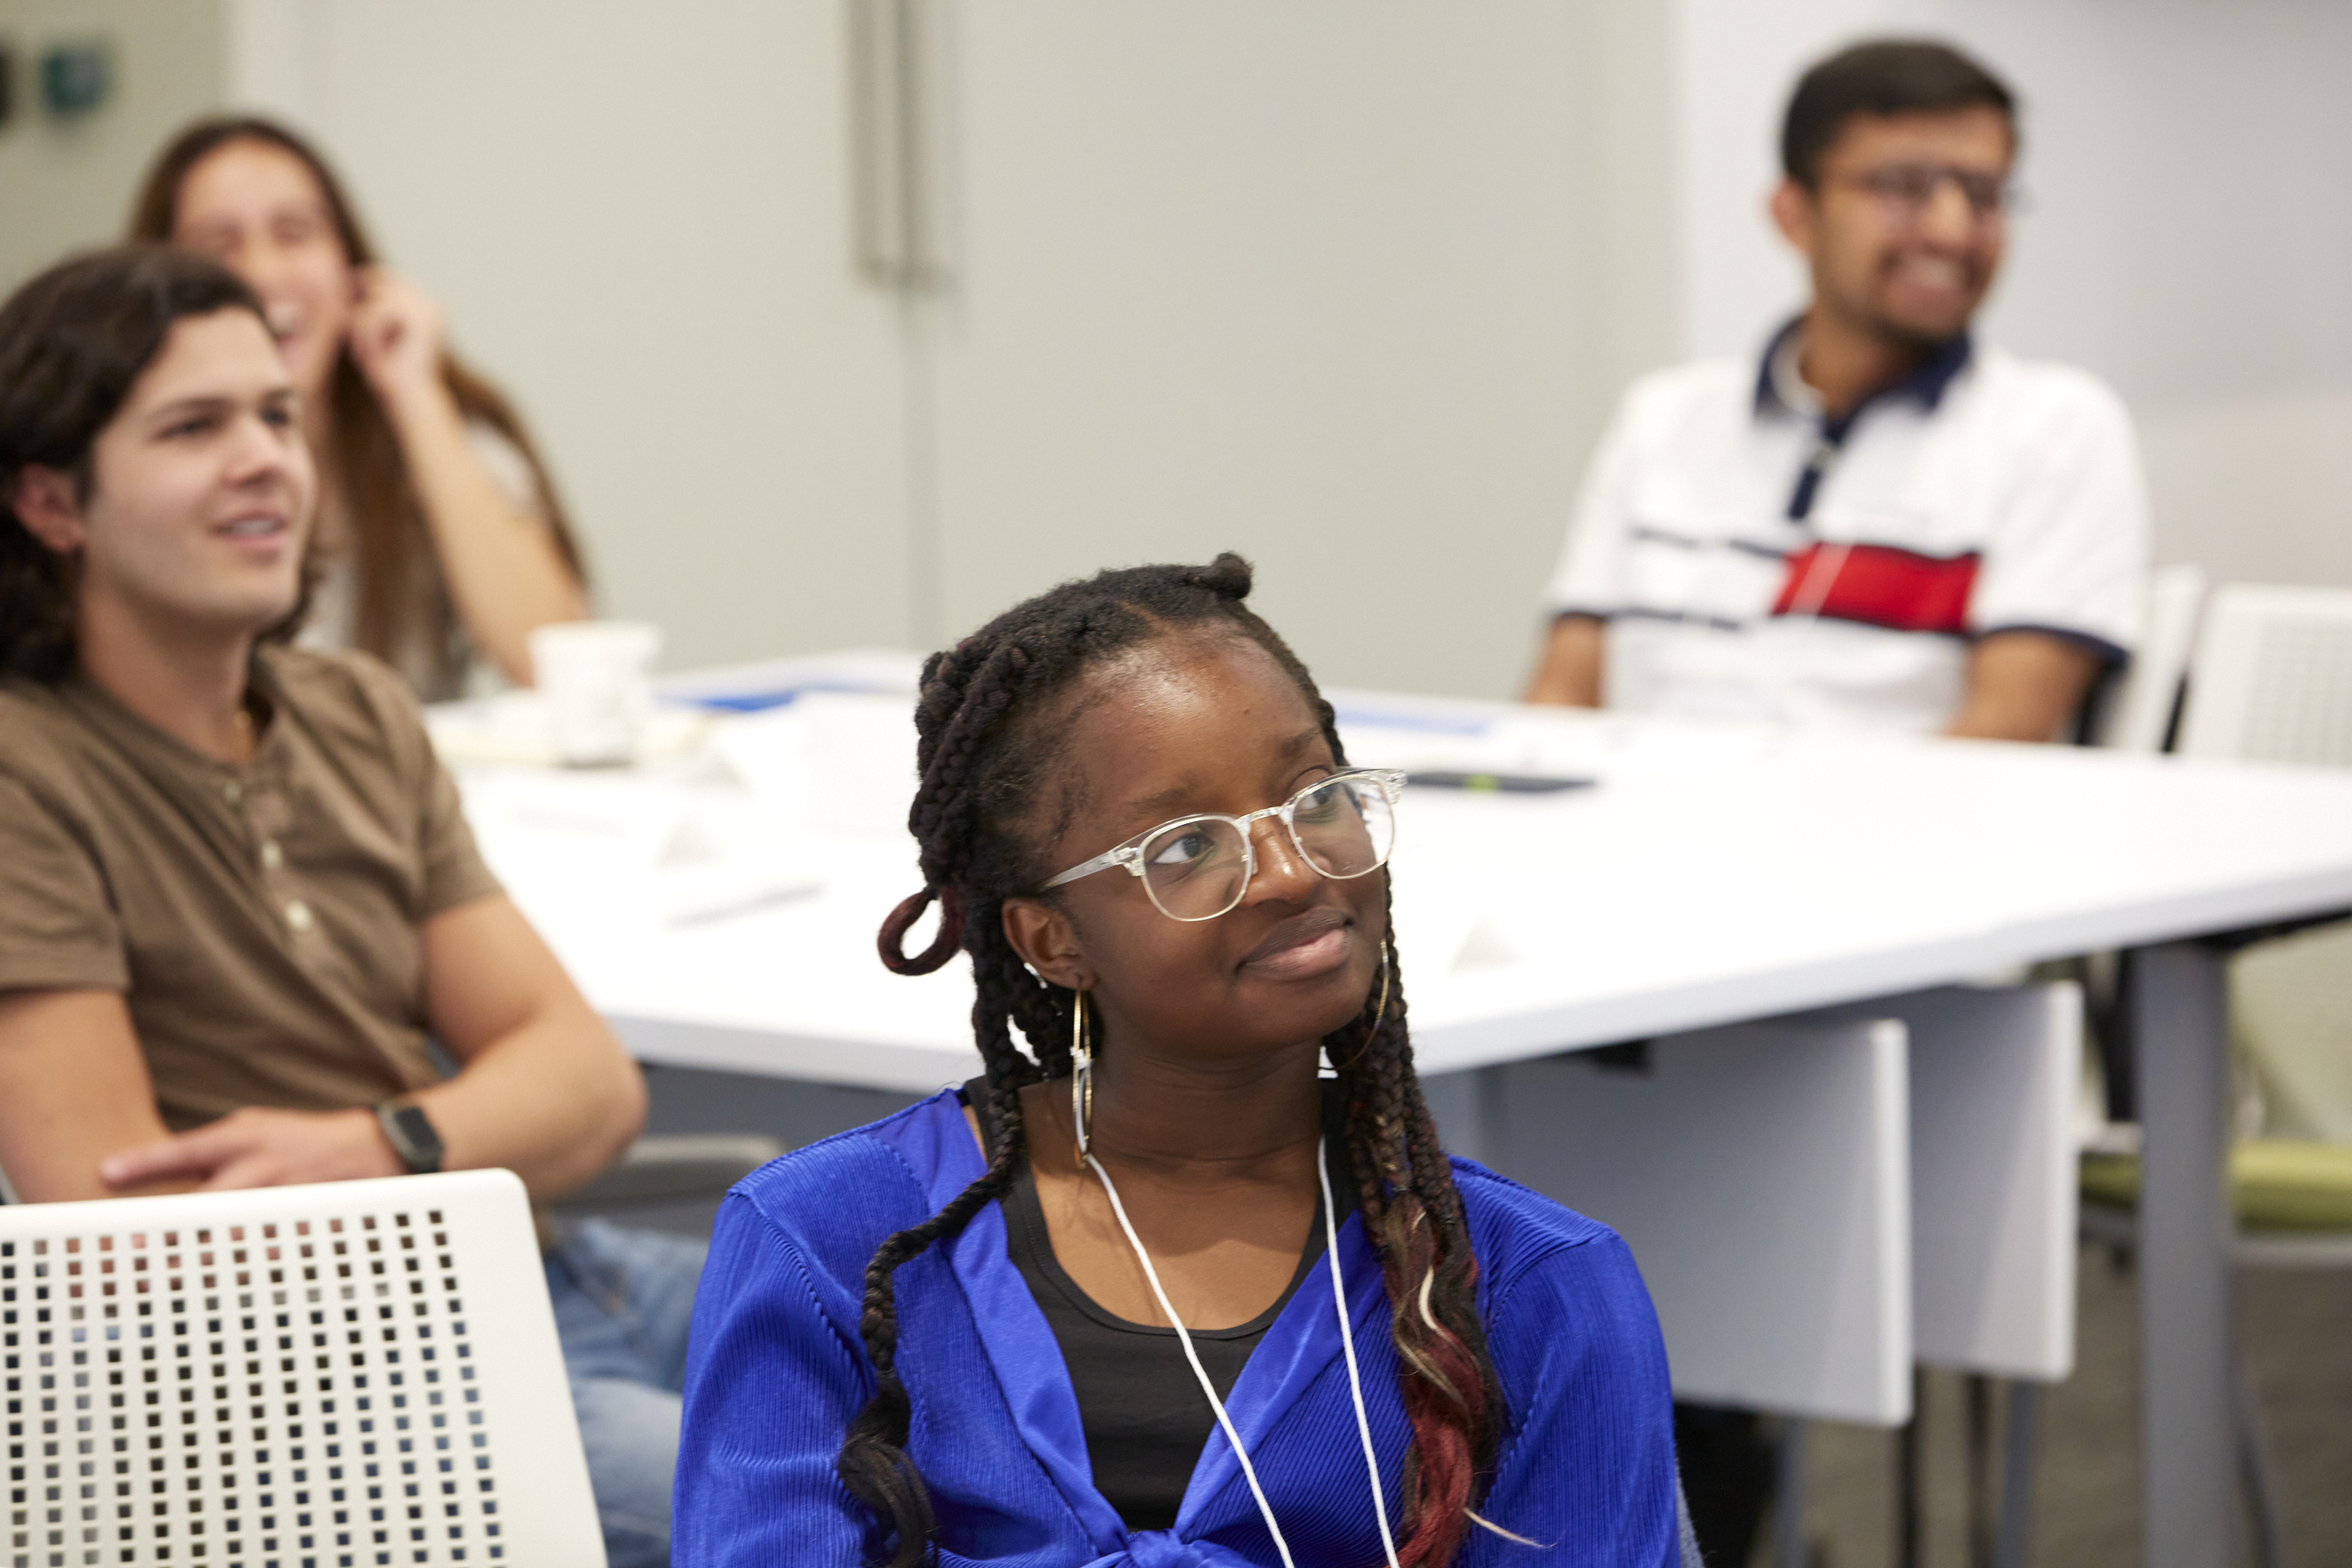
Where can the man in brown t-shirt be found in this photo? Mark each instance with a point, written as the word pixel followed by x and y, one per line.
pixel 274 913
pixel 237 893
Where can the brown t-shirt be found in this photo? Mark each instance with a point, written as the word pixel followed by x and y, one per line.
pixel 262 922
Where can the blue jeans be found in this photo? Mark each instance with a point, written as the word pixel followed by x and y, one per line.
pixel 623 1299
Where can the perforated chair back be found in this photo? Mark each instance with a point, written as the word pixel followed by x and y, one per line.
pixel 2271 680
pixel 332 1376
pixel 2139 714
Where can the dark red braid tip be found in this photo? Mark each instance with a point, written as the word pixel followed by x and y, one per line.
pixel 892 941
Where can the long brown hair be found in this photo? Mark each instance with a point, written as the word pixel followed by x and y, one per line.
pixel 73 342
pixel 402 600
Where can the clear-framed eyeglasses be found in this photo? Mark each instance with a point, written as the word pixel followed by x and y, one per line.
pixel 1907 190
pixel 1197 867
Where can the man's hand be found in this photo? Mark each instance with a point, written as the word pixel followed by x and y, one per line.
pixel 257 1147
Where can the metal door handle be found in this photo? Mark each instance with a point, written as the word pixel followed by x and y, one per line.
pixel 887 190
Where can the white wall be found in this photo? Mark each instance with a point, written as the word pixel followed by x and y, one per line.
pixel 637 220
pixel 1735 61
pixel 1334 283
pixel 641 231
pixel 65 184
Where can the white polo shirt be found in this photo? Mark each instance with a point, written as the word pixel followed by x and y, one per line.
pixel 1754 561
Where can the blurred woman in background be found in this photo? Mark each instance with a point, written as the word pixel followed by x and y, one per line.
pixel 440 542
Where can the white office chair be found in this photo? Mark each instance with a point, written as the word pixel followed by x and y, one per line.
pixel 355 1373
pixel 2136 715
pixel 2271 680
pixel 2139 714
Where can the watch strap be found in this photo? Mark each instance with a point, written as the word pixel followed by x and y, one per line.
pixel 410 1134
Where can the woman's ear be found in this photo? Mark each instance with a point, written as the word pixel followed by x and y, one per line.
pixel 1046 942
pixel 46 502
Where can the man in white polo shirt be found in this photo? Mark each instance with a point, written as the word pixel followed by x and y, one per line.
pixel 1884 524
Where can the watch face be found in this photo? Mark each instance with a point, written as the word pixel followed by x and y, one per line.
pixel 418 1145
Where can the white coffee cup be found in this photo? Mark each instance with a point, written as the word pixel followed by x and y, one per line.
pixel 594 677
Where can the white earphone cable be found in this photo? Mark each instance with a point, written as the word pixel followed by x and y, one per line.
pixel 1348 1343
pixel 1249 1471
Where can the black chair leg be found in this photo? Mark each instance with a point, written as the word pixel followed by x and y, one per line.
pixel 1789 1497
pixel 1980 1419
pixel 2255 1472
pixel 1908 1460
pixel 2021 1440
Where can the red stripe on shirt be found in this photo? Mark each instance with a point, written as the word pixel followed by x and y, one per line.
pixel 1879 586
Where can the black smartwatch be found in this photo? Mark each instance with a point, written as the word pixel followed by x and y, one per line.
pixel 410 1132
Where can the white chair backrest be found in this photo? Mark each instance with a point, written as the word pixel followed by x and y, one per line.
pixel 2271 680
pixel 356 1373
pixel 2139 710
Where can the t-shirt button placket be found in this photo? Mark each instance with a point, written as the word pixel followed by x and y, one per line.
pixel 232 792
pixel 297 915
pixel 272 856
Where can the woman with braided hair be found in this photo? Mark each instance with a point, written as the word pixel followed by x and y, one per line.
pixel 1154 1289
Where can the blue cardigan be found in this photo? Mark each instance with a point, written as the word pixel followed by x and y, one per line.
pixel 775 1370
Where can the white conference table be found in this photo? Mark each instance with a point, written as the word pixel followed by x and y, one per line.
pixel 719 907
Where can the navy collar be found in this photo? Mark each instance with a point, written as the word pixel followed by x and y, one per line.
pixel 1923 385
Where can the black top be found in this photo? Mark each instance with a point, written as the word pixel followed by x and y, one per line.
pixel 1139 1405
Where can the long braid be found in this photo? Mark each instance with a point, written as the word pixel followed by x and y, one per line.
pixel 983 770
pixel 874 1464
pixel 1413 1213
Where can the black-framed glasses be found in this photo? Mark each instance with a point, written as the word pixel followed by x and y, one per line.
pixel 1907 189
pixel 1197 867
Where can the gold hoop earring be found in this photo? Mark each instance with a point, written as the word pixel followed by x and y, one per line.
pixel 1082 1078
